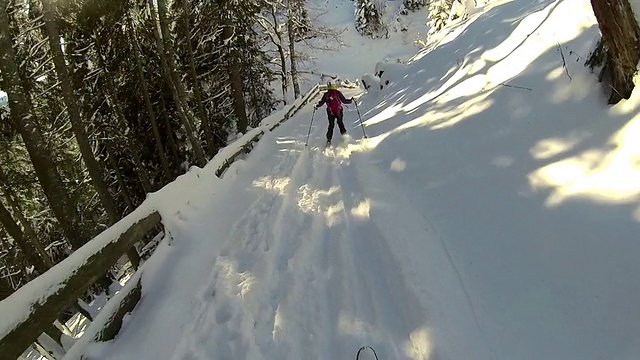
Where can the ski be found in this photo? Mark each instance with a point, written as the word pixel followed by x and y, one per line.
pixel 366 353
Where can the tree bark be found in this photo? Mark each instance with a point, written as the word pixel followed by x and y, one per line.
pixel 621 34
pixel 131 143
pixel 205 123
pixel 71 102
pixel 30 234
pixel 23 118
pixel 233 67
pixel 283 57
pixel 168 63
pixel 292 51
pixel 167 123
pixel 27 247
pixel 147 102
pixel 120 179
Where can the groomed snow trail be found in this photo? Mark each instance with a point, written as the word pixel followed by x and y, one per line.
pixel 306 274
pixel 284 261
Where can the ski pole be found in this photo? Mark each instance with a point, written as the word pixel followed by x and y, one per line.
pixel 360 117
pixel 311 123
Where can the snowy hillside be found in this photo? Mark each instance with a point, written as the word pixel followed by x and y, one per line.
pixel 492 213
pixel 358 54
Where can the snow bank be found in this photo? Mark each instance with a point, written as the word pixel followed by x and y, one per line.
pixel 102 319
pixel 371 82
pixel 390 73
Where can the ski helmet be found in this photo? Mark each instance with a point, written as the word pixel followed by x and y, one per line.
pixel 331 85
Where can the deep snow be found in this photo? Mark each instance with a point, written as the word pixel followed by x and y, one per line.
pixel 491 214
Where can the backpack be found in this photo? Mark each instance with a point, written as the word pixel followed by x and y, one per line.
pixel 334 105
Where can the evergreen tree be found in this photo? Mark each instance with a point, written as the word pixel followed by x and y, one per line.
pixel 369 21
pixel 414 5
pixel 103 90
pixel 300 23
pixel 438 14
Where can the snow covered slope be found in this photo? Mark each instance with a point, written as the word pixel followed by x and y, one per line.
pixel 492 213
pixel 528 179
pixel 357 54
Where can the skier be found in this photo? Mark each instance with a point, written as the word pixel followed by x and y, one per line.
pixel 334 100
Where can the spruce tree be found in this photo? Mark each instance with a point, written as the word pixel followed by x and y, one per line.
pixel 414 5
pixel 369 21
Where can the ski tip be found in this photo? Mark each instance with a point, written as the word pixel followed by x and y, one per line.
pixel 366 352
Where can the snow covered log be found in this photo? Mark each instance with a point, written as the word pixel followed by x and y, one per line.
pixel 126 305
pixel 110 319
pixel 24 328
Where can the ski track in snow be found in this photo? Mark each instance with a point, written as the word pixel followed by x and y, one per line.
pixel 306 271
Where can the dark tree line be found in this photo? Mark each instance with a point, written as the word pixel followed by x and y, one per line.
pixel 111 100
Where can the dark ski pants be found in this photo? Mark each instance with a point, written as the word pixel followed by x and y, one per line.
pixel 332 122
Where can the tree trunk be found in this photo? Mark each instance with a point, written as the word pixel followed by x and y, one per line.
pixel 71 102
pixel 23 118
pixel 205 123
pixel 283 57
pixel 147 102
pixel 131 143
pixel 5 288
pixel 30 234
pixel 621 34
pixel 168 63
pixel 27 247
pixel 120 179
pixel 167 123
pixel 233 67
pixel 292 51
pixel 237 92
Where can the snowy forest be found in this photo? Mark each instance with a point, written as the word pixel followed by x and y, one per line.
pixel 103 103
pixel 114 99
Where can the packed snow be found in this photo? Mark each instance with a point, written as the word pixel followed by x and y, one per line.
pixel 491 212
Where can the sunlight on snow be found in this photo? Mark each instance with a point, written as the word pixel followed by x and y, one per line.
pixel 628 106
pixel 459 75
pixel 548 148
pixel 398 165
pixel 420 344
pixel 278 324
pixel 504 62
pixel 309 198
pixel 278 185
pixel 235 283
pixel 312 201
pixel 610 176
pixel 361 211
pixel 439 119
pixel 386 114
pixel 468 87
pixel 350 325
pixel 528 25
